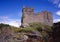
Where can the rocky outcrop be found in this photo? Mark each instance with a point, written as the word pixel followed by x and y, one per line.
pixel 56 32
pixel 5 34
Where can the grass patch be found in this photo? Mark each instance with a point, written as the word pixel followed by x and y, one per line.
pixel 28 29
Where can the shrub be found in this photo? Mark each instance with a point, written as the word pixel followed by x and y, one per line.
pixel 15 29
pixel 4 25
pixel 43 33
pixel 48 28
pixel 36 25
pixel 27 29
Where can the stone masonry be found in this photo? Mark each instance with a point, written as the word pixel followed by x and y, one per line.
pixel 43 17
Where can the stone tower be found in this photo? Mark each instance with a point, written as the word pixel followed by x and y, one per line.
pixel 28 16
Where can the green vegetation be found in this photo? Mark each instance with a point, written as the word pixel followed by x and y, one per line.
pixel 36 25
pixel 28 29
pixel 39 26
pixel 48 28
pixel 44 34
pixel 4 25
pixel 15 29
pixel 33 27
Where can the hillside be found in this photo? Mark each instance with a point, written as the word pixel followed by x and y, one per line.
pixel 35 32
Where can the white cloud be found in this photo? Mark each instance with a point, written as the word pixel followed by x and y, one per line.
pixel 58 12
pixel 54 1
pixel 56 20
pixel 58 5
pixel 12 22
pixel 3 17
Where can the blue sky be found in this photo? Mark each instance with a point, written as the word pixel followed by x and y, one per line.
pixel 11 10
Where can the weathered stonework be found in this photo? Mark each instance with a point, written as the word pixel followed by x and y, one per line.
pixel 43 17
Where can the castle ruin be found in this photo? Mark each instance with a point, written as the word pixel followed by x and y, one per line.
pixel 28 16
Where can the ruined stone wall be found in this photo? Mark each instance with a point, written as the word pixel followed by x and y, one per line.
pixel 48 18
pixel 43 17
